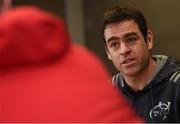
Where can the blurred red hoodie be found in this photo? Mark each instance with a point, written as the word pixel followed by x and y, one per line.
pixel 46 78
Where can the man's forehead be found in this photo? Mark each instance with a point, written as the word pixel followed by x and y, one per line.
pixel 122 25
pixel 122 29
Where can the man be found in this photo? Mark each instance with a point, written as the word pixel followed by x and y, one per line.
pixel 46 78
pixel 151 83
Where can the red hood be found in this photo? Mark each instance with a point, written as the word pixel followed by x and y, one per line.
pixel 28 34
pixel 72 89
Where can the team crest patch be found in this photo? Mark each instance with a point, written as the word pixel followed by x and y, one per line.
pixel 160 111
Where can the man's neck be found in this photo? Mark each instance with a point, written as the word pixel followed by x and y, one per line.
pixel 139 81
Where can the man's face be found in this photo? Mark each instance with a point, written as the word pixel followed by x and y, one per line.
pixel 127 48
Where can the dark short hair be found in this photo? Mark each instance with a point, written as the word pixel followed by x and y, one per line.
pixel 118 14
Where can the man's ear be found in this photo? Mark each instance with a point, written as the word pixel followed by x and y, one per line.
pixel 107 51
pixel 108 55
pixel 149 39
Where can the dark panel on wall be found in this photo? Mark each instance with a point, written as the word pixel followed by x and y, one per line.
pixel 162 16
pixel 93 10
pixel 55 6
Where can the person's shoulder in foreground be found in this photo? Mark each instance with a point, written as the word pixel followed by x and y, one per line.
pixel 46 78
pixel 150 82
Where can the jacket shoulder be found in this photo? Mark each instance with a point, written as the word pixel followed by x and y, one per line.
pixel 115 79
pixel 175 77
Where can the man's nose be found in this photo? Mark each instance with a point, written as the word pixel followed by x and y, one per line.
pixel 124 49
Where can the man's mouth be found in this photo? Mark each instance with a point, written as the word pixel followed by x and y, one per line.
pixel 128 61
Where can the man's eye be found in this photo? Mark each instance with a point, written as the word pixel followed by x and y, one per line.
pixel 131 41
pixel 114 44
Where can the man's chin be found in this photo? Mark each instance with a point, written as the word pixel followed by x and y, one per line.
pixel 129 72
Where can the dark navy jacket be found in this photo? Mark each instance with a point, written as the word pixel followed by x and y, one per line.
pixel 159 101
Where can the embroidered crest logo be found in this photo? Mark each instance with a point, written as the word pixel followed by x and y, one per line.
pixel 160 111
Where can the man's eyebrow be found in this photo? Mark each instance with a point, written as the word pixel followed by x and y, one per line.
pixel 112 38
pixel 125 36
pixel 130 34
